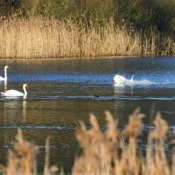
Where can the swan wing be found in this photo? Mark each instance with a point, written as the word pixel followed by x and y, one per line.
pixel 118 79
pixel 12 93
pixel 2 78
pixel 132 78
pixel 130 81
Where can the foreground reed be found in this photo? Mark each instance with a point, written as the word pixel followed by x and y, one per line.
pixel 104 152
pixel 22 158
pixel 37 37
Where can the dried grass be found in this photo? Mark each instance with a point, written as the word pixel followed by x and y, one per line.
pixel 104 151
pixel 22 158
pixel 37 37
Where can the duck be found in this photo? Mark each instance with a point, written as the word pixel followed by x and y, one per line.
pixel 15 93
pixel 5 74
pixel 121 79
pixel 96 96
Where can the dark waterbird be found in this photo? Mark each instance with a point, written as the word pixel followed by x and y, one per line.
pixel 96 96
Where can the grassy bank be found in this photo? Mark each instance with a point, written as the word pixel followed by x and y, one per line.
pixel 104 152
pixel 43 38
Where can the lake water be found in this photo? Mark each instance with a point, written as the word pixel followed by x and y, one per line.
pixel 61 92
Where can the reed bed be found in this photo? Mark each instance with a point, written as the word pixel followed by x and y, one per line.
pixel 104 152
pixel 37 37
pixel 107 153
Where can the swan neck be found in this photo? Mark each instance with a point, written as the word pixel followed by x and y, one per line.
pixel 5 72
pixel 25 92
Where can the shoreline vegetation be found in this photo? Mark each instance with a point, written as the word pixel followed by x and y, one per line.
pixel 104 152
pixel 86 28
pixel 38 37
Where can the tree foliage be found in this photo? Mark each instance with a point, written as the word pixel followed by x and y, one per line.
pixel 140 14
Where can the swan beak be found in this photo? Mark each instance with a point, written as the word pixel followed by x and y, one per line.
pixel 8 67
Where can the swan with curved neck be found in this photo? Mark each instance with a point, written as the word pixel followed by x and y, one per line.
pixel 5 74
pixel 15 93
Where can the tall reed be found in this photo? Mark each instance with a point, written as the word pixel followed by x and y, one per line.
pixel 104 152
pixel 22 158
pixel 38 37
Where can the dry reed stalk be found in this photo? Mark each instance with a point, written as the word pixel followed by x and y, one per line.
pixel 95 144
pixel 159 134
pixel 156 161
pixel 46 166
pixel 102 151
pixel 133 130
pixel 22 158
pixel 37 37
pixel 99 148
pixel 171 147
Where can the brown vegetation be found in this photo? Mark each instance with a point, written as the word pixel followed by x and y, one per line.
pixel 22 158
pixel 37 37
pixel 104 152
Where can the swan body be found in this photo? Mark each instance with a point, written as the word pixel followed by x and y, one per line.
pixel 121 80
pixel 5 74
pixel 15 93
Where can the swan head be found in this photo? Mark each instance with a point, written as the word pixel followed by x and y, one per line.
pixel 6 67
pixel 124 75
pixel 25 85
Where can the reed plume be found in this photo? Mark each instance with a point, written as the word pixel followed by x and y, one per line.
pixel 104 153
pixel 98 149
pixel 22 158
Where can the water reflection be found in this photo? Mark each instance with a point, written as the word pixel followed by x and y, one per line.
pixel 14 108
pixel 62 89
pixel 118 105
pixel 24 104
pixel 5 85
pixel 120 90
pixel 121 94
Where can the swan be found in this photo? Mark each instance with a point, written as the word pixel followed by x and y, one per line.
pixel 121 80
pixel 5 74
pixel 15 93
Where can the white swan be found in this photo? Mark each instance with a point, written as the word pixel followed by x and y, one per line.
pixel 121 80
pixel 5 74
pixel 15 93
